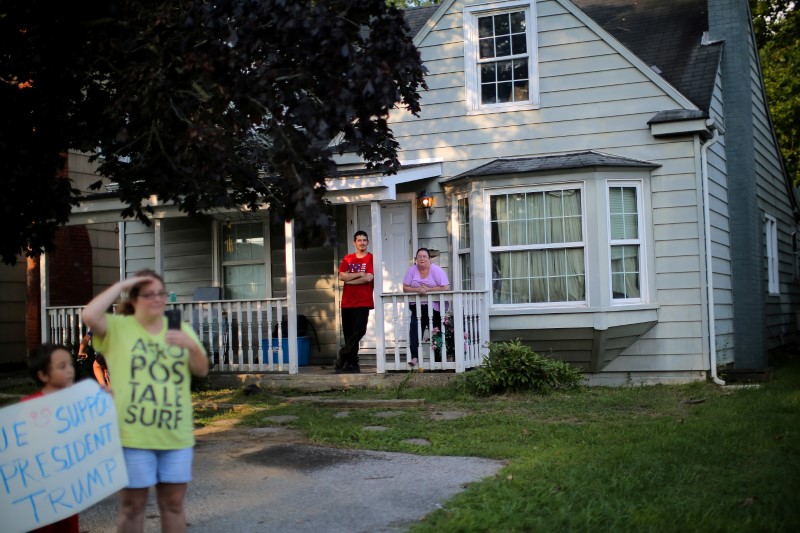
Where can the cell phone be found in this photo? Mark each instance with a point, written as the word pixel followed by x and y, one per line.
pixel 173 318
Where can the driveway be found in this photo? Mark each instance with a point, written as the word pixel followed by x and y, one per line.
pixel 273 480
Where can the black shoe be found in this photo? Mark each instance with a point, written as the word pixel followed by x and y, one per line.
pixel 350 369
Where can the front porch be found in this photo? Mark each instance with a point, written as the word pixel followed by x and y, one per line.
pixel 247 336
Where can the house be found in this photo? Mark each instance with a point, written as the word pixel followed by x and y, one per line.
pixel 602 181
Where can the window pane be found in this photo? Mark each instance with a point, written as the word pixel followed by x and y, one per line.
pixel 485 27
pixel 502 24
pixel 504 91
pixel 539 276
pixel 245 282
pixel 519 44
pixel 624 214
pixel 504 72
pixel 518 22
pixel 466 272
pixel 521 91
pixel 502 46
pixel 489 73
pixel 536 218
pixel 520 69
pixel 488 95
pixel 486 48
pixel 625 272
pixel 501 288
pixel 463 223
pixel 243 242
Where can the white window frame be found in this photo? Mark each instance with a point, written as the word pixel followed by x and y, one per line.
pixel 458 251
pixel 471 56
pixel 223 264
pixel 621 242
pixel 574 185
pixel 771 241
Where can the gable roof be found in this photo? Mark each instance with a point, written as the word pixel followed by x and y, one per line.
pixel 416 17
pixel 572 160
pixel 666 35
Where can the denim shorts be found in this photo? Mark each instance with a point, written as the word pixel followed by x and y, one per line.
pixel 146 468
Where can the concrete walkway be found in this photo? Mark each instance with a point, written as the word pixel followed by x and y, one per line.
pixel 273 480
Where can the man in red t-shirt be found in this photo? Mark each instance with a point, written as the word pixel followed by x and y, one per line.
pixel 357 273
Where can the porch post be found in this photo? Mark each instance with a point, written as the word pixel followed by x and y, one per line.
pixel 158 234
pixel 291 295
pixel 44 292
pixel 458 331
pixel 123 271
pixel 377 252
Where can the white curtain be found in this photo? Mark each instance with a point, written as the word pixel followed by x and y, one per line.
pixel 538 274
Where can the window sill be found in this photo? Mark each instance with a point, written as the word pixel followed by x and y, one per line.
pixel 496 109
pixel 590 317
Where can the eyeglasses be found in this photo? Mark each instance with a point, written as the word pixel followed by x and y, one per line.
pixel 153 295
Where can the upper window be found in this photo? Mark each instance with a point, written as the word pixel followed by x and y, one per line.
pixel 771 237
pixel 625 241
pixel 537 247
pixel 500 56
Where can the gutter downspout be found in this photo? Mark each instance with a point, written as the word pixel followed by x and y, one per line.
pixel 712 333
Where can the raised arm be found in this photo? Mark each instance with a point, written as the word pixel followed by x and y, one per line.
pixel 94 314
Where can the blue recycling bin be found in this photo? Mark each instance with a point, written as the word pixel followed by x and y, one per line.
pixel 303 347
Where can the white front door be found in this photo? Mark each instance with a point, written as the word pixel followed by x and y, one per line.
pixel 397 255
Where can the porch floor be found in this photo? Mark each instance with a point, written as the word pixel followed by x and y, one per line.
pixel 315 378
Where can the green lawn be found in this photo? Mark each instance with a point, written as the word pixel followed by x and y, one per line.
pixel 695 457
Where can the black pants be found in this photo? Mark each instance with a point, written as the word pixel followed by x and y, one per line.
pixel 413 337
pixel 354 327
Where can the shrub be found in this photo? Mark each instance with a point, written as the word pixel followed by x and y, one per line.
pixel 513 367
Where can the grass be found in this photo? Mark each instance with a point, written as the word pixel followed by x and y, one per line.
pixel 694 457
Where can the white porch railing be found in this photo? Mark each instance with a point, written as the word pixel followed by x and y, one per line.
pixel 460 342
pixel 236 333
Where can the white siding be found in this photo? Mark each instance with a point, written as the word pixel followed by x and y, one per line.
pixel 139 247
pixel 782 310
pixel 592 97
pixel 105 255
pixel 187 247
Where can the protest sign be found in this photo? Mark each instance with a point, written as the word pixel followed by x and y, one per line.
pixel 59 454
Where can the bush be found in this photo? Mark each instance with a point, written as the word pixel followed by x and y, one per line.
pixel 513 367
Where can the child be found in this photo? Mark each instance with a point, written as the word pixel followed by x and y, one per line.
pixel 51 366
pixel 99 367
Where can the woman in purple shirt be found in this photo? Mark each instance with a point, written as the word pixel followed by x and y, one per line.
pixel 422 278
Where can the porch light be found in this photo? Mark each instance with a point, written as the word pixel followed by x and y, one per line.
pixel 426 201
